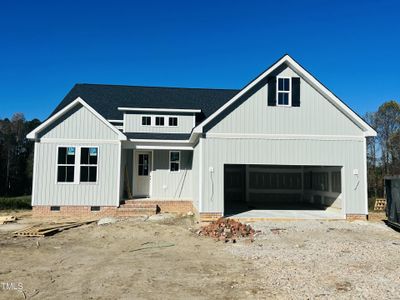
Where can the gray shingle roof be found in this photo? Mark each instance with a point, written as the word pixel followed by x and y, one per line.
pixel 158 136
pixel 105 99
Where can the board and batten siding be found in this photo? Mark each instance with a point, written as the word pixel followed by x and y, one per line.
pixel 77 128
pixel 133 123
pixel 315 116
pixel 306 152
pixel 196 176
pixel 103 193
pixel 171 185
pixel 79 123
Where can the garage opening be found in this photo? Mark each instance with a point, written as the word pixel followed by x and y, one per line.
pixel 282 191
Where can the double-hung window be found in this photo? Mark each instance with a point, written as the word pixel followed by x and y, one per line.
pixel 174 161
pixel 146 120
pixel 283 91
pixel 159 121
pixel 88 167
pixel 66 164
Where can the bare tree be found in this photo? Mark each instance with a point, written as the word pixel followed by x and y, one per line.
pixel 388 126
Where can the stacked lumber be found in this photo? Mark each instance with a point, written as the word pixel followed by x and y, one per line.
pixel 49 229
pixel 227 230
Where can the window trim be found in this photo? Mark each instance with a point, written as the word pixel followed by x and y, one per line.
pixel 87 165
pixel 179 161
pixel 146 116
pixel 177 121
pixel 74 165
pixel 77 165
pixel 289 92
pixel 155 121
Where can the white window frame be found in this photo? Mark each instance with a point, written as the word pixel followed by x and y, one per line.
pixel 155 121
pixel 66 165
pixel 88 165
pixel 177 121
pixel 77 165
pixel 285 92
pixel 178 162
pixel 145 116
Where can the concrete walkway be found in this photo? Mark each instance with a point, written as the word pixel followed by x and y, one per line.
pixel 289 215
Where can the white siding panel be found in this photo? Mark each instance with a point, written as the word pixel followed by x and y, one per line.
pixel 133 123
pixel 79 123
pixel 315 116
pixel 171 185
pixel 219 151
pixel 195 176
pixel 103 193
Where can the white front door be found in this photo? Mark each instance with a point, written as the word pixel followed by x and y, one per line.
pixel 142 173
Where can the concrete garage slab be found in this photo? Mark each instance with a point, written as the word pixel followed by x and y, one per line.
pixel 257 214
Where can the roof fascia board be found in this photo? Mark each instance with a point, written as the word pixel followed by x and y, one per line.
pixel 159 109
pixel 159 141
pixel 162 147
pixel 33 134
pixel 368 130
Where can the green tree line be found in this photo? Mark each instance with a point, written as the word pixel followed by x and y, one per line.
pixel 383 151
pixel 16 155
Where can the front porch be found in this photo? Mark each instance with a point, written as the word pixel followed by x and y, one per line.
pixel 155 180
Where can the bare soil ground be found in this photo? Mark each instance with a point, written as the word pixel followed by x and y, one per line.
pixel 165 259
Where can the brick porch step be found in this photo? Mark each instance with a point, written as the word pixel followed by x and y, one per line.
pixel 129 208
pixel 139 205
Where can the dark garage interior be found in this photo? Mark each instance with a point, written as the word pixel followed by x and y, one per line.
pixel 277 187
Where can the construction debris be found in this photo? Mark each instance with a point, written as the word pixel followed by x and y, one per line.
pixel 227 230
pixel 45 230
pixel 7 219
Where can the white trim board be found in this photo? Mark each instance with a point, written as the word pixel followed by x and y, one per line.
pixel 368 130
pixel 149 147
pixel 160 141
pixel 160 109
pixel 79 141
pixel 285 136
pixel 33 134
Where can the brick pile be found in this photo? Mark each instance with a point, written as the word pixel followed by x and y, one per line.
pixel 227 230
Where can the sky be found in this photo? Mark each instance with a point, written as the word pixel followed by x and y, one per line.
pixel 48 46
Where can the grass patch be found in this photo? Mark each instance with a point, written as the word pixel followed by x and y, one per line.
pixel 23 202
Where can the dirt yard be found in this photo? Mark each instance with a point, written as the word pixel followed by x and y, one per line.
pixel 143 259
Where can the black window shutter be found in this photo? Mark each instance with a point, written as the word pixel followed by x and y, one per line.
pixel 272 91
pixel 296 91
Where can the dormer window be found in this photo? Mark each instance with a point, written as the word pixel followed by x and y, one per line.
pixel 159 121
pixel 173 121
pixel 283 91
pixel 146 121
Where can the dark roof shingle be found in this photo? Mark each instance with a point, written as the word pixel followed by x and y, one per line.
pixel 106 99
pixel 157 136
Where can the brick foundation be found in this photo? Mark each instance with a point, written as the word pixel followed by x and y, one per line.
pixel 73 211
pixel 173 206
pixel 354 217
pixel 112 211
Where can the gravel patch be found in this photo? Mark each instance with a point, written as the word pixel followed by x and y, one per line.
pixel 325 259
